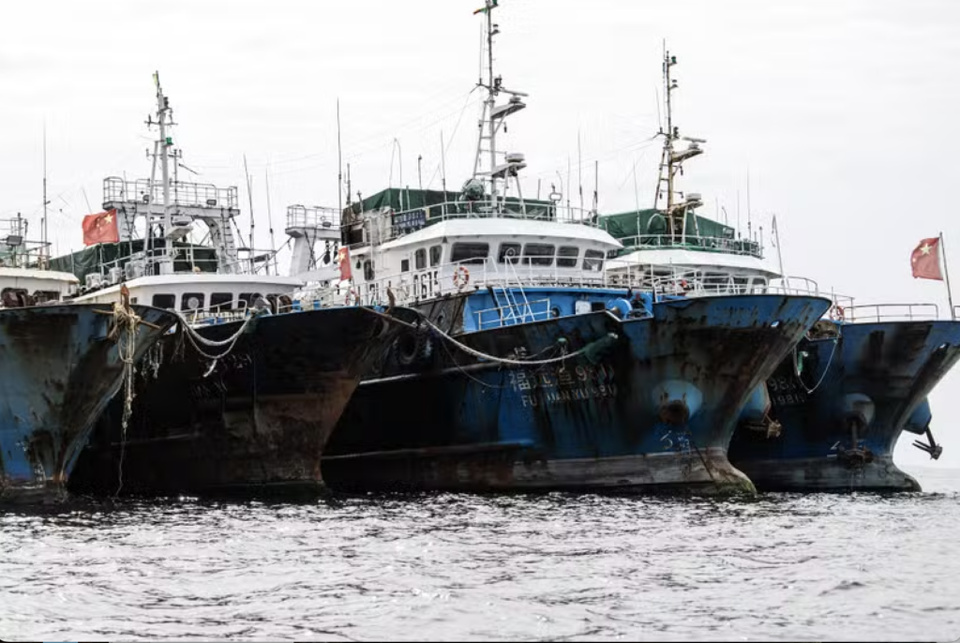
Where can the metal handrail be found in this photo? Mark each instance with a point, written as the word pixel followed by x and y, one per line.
pixel 438 280
pixel 401 222
pixel 863 313
pixel 695 242
pixel 312 217
pixel 518 313
pixel 184 194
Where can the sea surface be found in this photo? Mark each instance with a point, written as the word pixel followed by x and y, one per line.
pixel 427 567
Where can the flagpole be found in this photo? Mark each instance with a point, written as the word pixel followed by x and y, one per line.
pixel 946 274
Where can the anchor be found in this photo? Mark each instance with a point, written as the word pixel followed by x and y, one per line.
pixel 935 450
pixel 855 457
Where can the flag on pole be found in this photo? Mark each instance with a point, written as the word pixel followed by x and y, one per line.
pixel 343 260
pixel 925 260
pixel 100 228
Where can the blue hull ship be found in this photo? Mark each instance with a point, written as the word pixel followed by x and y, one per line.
pixel 59 367
pixel 843 413
pixel 647 399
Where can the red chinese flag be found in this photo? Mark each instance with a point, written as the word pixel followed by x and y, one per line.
pixel 343 258
pixel 925 260
pixel 101 228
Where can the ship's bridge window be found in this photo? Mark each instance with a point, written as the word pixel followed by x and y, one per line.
pixel 509 253
pixel 436 253
pixel 221 301
pixel 538 254
pixel 593 260
pixel 368 270
pixel 191 301
pixel 470 252
pixel 567 256
pixel 167 302
pixel 420 259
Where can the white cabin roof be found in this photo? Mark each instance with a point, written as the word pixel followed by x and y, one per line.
pixel 505 227
pixel 694 259
pixel 182 281
pixel 8 275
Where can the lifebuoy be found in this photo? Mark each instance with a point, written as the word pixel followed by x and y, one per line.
pixel 837 313
pixel 461 277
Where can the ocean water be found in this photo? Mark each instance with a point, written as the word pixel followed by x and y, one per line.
pixel 430 567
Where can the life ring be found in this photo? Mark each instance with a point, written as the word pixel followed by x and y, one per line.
pixel 461 277
pixel 837 313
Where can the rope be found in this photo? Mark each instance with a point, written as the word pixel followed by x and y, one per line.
pixel 196 339
pixel 796 364
pixel 504 360
pixel 125 325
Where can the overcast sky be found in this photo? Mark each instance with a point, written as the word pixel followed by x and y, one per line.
pixel 842 113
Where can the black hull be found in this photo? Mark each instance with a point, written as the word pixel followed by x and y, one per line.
pixel 257 423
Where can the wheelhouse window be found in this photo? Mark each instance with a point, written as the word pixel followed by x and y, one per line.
pixel 466 252
pixel 567 256
pixel 221 301
pixel 509 253
pixel 191 301
pixel 593 260
pixel 420 259
pixel 368 270
pixel 538 254
pixel 167 302
pixel 436 254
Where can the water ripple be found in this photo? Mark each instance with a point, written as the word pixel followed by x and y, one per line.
pixel 433 567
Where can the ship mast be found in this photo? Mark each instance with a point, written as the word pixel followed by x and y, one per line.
pixel 493 117
pixel 164 119
pixel 671 159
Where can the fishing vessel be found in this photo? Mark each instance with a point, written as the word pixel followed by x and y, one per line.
pixel 528 369
pixel 830 416
pixel 242 397
pixel 844 398
pixel 60 364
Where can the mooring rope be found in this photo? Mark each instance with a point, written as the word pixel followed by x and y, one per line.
pixel 796 364
pixel 504 360
pixel 126 322
pixel 196 339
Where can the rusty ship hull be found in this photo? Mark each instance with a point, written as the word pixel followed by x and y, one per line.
pixel 59 368
pixel 256 422
pixel 843 415
pixel 650 404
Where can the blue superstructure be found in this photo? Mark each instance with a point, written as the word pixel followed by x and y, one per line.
pixel 59 367
pixel 858 387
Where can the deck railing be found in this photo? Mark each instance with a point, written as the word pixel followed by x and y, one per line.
pixel 404 221
pixel 694 242
pixel 196 195
pixel 312 217
pixel 891 313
